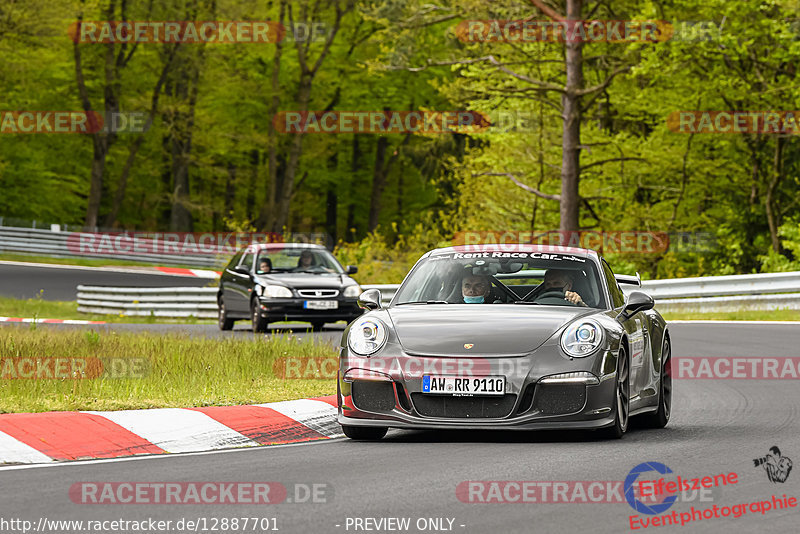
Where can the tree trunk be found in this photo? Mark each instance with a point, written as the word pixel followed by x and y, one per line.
pixel 355 163
pixel 378 183
pixel 769 201
pixel 571 138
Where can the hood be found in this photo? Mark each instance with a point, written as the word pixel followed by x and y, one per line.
pixel 494 330
pixel 307 280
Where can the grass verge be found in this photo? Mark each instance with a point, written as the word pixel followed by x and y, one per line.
pixel 158 370
pixel 742 315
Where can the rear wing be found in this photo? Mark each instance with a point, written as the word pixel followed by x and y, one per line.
pixel 628 279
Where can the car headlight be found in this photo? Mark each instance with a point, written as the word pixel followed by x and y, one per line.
pixel 274 292
pixel 367 336
pixel 582 338
pixel 351 291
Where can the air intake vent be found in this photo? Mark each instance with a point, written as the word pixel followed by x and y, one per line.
pixel 372 396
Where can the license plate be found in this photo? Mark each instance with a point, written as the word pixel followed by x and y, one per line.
pixel 457 385
pixel 321 304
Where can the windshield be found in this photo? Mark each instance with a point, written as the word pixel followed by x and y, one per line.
pixel 316 261
pixel 490 278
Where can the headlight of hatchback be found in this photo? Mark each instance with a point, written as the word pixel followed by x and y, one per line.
pixel 367 336
pixel 582 338
pixel 351 291
pixel 274 292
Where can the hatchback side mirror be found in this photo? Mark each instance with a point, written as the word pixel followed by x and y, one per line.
pixel 351 269
pixel 370 299
pixel 637 301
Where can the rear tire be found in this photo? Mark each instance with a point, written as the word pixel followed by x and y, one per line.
pixel 660 417
pixel 622 398
pixel 224 322
pixel 259 322
pixel 364 433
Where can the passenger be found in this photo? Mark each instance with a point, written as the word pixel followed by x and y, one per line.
pixel 264 266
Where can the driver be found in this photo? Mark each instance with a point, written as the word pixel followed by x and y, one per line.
pixel 308 261
pixel 561 280
pixel 475 288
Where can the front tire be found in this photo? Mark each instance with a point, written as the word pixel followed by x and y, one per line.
pixel 622 399
pixel 259 322
pixel 364 433
pixel 224 322
pixel 660 418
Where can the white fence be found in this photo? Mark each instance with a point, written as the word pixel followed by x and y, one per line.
pixel 707 294
pixel 59 244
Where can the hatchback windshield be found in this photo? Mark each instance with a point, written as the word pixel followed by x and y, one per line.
pixel 297 260
pixel 490 278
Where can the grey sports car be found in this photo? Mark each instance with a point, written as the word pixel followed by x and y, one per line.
pixel 506 337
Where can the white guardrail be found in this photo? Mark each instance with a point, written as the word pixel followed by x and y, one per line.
pixel 706 294
pixel 60 244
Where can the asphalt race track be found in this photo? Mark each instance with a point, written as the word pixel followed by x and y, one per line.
pixel 717 426
pixel 61 282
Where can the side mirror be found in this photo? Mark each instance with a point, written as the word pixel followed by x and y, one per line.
pixel 637 301
pixel 351 269
pixel 241 270
pixel 370 299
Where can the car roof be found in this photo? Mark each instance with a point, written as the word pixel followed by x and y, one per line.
pixel 517 247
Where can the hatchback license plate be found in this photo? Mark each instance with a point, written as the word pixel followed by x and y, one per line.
pixel 321 304
pixel 457 385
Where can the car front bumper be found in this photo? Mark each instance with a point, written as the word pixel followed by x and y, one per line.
pixel 390 394
pixel 293 309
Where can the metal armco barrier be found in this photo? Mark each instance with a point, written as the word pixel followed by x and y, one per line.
pixel 200 302
pixel 770 291
pixel 54 244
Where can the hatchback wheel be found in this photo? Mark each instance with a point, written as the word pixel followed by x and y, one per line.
pixel 259 323
pixel 224 322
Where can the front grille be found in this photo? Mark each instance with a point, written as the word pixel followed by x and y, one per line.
pixel 463 407
pixel 559 399
pixel 372 396
pixel 318 293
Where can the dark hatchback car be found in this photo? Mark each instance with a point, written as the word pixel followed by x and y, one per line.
pixel 286 282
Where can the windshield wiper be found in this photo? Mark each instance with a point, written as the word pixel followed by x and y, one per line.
pixel 526 302
pixel 424 302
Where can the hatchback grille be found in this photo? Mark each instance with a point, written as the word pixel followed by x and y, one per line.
pixel 559 399
pixel 373 396
pixel 318 293
pixel 463 407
